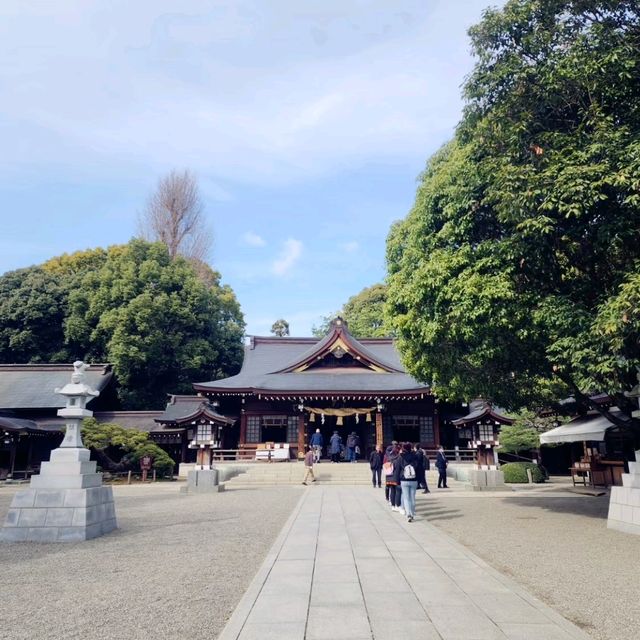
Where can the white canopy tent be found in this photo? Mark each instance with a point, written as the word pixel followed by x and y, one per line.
pixel 589 427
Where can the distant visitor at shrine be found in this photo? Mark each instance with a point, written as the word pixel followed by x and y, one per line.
pixel 289 387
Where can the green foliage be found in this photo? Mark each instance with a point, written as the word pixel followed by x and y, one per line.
pixel 516 275
pixel 162 461
pixel 516 438
pixel 160 322
pixel 280 328
pixel 111 441
pixel 517 472
pixel 32 309
pixel 363 312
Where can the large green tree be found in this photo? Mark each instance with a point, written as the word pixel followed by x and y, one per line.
pixel 156 321
pixel 161 323
pixel 364 313
pixel 516 276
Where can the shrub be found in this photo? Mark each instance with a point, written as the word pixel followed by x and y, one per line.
pixel 517 472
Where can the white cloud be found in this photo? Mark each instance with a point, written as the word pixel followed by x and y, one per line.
pixel 288 257
pixel 253 239
pixel 236 91
pixel 351 247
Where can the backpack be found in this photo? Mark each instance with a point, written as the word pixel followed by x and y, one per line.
pixel 387 467
pixel 409 472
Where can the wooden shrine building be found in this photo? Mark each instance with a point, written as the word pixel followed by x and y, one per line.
pixel 289 387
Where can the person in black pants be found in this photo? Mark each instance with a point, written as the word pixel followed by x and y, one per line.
pixel 441 465
pixel 375 462
pixel 426 465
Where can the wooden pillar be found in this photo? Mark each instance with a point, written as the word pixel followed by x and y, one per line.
pixel 436 427
pixel 243 430
pixel 12 455
pixel 379 442
pixel 301 435
pixel 184 442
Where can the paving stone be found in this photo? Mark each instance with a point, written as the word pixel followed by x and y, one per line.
pixel 525 631
pixel 339 594
pixel 325 623
pixel 273 631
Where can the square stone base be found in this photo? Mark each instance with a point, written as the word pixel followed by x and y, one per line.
pixel 486 480
pixel 59 515
pixel 624 509
pixel 203 481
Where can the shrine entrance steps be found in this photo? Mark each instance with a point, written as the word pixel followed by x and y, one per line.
pixel 290 473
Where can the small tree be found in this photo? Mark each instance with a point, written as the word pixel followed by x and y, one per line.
pixel 120 449
pixel 280 328
pixel 174 215
pixel 517 437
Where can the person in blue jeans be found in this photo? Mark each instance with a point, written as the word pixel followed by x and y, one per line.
pixel 316 443
pixel 411 467
pixel 353 441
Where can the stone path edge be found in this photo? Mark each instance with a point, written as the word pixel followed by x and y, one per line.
pixel 572 629
pixel 236 622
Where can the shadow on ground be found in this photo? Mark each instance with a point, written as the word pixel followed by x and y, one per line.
pixel 590 506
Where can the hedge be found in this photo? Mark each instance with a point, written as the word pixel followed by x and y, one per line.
pixel 517 472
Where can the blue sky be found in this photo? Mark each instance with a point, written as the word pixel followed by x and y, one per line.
pixel 306 123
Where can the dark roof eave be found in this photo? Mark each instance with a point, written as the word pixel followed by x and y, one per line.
pixel 487 413
pixel 309 392
pixel 210 415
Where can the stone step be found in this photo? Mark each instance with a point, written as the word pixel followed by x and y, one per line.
pixel 631 481
pixel 638 455
pixel 634 468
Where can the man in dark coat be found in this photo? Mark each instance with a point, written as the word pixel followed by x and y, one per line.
pixel 441 465
pixel 375 462
pixel 335 446
pixel 426 465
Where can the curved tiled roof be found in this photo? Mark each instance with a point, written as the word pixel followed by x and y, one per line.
pixel 268 360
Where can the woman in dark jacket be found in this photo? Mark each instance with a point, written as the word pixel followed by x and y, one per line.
pixel 391 480
pixel 335 446
pixel 410 468
pixel 375 462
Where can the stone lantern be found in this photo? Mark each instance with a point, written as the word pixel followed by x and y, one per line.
pixel 66 502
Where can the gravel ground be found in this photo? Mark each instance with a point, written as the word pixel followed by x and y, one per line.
pixel 559 548
pixel 177 567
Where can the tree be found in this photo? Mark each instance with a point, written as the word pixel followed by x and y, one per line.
pixel 280 328
pixel 156 321
pixel 516 275
pixel 364 312
pixel 120 449
pixel 174 215
pixel 32 310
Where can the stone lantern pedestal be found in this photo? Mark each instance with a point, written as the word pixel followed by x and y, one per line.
pixel 66 502
pixel 624 504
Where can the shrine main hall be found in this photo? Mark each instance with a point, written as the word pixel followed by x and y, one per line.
pixel 288 387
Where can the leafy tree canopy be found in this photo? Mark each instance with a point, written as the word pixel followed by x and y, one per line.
pixel 280 328
pixel 120 449
pixel 363 312
pixel 154 318
pixel 516 275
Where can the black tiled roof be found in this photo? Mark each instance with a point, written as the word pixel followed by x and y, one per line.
pixel 268 355
pixel 32 386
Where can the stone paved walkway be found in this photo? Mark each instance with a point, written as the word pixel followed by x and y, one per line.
pixel 345 566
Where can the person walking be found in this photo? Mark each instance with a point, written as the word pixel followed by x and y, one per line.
pixel 441 465
pixel 426 465
pixel 392 478
pixel 308 465
pixel 353 442
pixel 335 446
pixel 375 462
pixel 317 442
pixel 411 467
